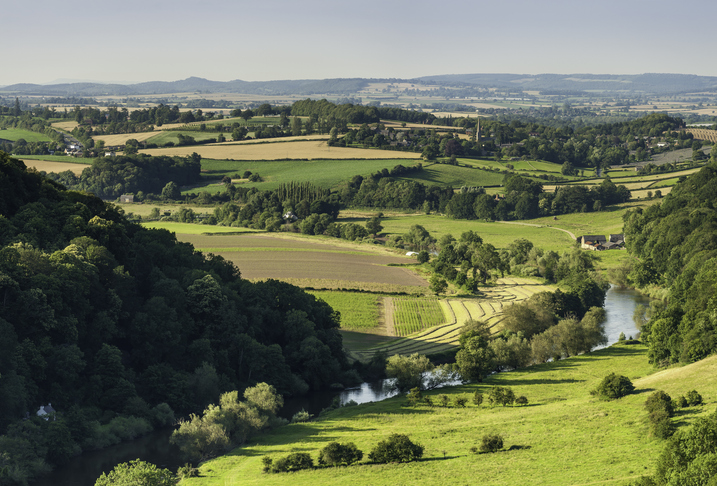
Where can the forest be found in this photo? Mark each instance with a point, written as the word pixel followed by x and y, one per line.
pixel 676 243
pixel 121 327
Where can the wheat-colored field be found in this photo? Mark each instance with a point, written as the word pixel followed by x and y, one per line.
pixel 46 166
pixel 121 138
pixel 279 151
pixel 65 125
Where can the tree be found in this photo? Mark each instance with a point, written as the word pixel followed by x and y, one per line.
pixel 407 370
pixel 491 443
pixel 374 226
pixel 136 473
pixel 397 448
pixel 296 125
pixel 438 285
pixel 335 454
pixel 614 386
pixel 474 358
pixel 171 191
pixel 247 114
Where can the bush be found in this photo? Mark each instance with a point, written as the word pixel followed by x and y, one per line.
pixel 414 396
pixel 659 401
pixel 336 454
pixel 614 386
pixel 662 426
pixel 477 398
pixel 301 416
pixel 491 443
pixel 693 398
pixel 679 402
pixel 397 448
pixel 501 395
pixel 460 402
pixel 521 400
pixel 187 471
pixel 293 462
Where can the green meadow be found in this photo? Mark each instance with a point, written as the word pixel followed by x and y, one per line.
pixel 15 134
pixel 564 436
pixel 359 311
pixel 194 229
pixel 173 136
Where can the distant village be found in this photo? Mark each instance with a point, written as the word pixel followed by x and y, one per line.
pixel 600 242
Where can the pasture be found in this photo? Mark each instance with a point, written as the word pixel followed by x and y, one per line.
pixel 278 150
pixel 564 436
pixel 359 311
pixel 185 229
pixel 323 173
pixel 15 134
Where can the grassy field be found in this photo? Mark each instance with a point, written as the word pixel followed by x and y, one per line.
pixel 121 138
pixel 323 173
pixel 456 176
pixel 57 158
pixel 15 134
pixel 277 150
pixel 564 436
pixel 411 315
pixel 358 311
pixel 498 234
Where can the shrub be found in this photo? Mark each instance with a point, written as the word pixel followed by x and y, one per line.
pixel 397 448
pixel 293 462
pixel 187 471
pixel 693 398
pixel 662 426
pixel 501 395
pixel 679 402
pixel 659 401
pixel 443 399
pixel 460 402
pixel 614 386
pixel 521 400
pixel 415 396
pixel 491 443
pixel 335 454
pixel 301 416
pixel 477 398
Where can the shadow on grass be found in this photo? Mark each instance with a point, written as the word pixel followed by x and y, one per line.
pixel 640 391
pixel 680 418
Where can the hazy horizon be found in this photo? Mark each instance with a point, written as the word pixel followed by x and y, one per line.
pixel 226 40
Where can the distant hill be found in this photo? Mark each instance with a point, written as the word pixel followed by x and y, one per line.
pixel 651 83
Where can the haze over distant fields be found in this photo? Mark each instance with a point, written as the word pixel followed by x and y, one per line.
pixel 315 39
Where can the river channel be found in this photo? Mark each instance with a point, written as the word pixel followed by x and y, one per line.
pixel 84 470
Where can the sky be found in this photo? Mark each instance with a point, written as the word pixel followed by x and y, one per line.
pixel 260 40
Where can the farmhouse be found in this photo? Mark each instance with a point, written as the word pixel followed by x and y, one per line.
pixel 45 411
pixel 593 242
pixel 127 198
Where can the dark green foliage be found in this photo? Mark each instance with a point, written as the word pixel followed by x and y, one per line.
pixel 187 471
pixel 501 395
pixel 661 425
pixel 614 386
pixel 460 402
pixel 659 401
pixel 397 448
pixel 491 443
pixel 104 314
pixel 521 400
pixel 477 398
pixel 295 461
pixel 335 454
pixel 693 398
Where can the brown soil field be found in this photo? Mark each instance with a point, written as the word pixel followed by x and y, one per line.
pixel 279 151
pixel 261 257
pixel 47 166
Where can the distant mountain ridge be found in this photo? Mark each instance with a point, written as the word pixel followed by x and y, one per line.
pixel 649 83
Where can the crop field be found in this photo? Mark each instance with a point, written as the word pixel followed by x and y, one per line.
pixel 48 166
pixel 173 136
pixel 274 256
pixel 279 151
pixel 121 138
pixel 412 315
pixel 323 173
pixel 565 436
pixel 359 311
pixel 15 134
pixel 454 312
pixel 58 158
pixel 66 125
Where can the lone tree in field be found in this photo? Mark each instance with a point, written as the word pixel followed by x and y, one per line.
pixel 614 386
pixel 397 448
pixel 336 454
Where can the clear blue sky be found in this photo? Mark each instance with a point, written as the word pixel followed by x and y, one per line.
pixel 259 40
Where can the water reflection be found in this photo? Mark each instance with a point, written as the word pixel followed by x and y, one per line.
pixel 620 306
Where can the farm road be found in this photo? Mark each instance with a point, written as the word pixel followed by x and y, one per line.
pixel 540 226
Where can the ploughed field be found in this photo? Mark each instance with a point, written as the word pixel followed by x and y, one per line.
pixel 309 263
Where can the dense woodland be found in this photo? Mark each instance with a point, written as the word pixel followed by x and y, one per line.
pixel 676 243
pixel 121 327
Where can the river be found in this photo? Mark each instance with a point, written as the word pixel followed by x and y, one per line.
pixel 83 470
